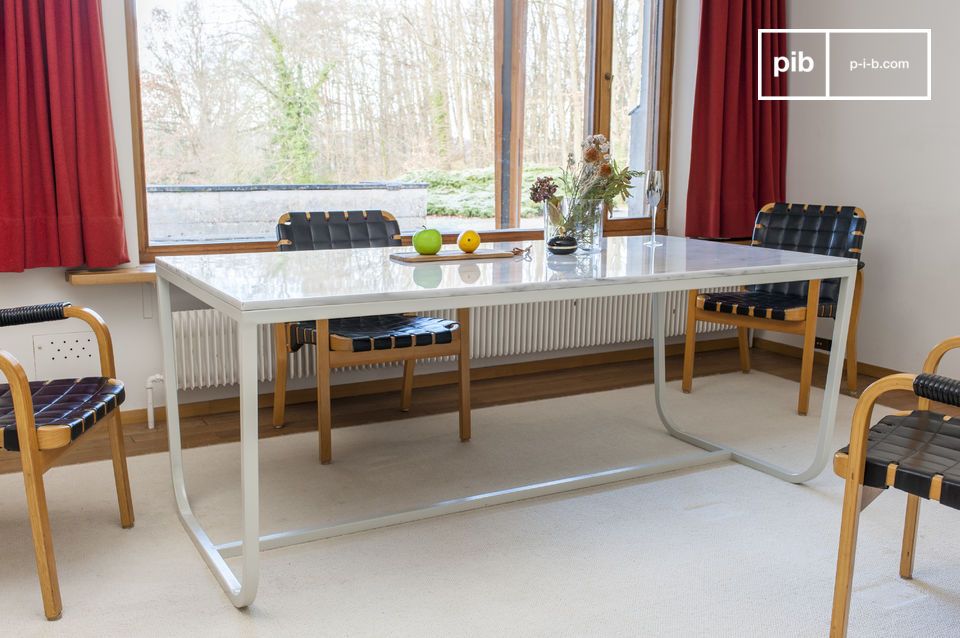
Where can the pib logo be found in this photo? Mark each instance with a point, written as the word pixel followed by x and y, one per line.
pixel 796 62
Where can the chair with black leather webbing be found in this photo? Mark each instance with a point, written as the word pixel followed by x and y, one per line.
pixel 41 420
pixel 363 340
pixel 916 451
pixel 791 307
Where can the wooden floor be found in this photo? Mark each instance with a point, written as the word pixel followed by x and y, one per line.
pixel 223 428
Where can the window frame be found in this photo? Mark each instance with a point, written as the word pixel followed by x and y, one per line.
pixel 602 98
pixel 509 83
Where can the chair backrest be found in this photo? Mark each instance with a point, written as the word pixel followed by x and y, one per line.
pixel 324 230
pixel 810 228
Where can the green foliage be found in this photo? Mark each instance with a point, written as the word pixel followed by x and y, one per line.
pixel 470 193
pixel 296 103
pixel 438 109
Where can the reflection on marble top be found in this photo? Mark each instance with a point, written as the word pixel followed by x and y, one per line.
pixel 252 281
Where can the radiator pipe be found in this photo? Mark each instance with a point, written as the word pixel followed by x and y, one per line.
pixel 151 421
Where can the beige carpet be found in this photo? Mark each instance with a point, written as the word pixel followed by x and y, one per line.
pixel 718 551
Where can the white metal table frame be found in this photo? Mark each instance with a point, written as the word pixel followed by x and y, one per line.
pixel 242 591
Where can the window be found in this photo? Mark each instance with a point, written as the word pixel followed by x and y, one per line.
pixel 245 109
pixel 633 68
pixel 632 107
pixel 555 90
pixel 248 113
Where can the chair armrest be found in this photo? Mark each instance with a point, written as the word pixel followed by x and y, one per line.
pixel 22 399
pixel 33 314
pixel 63 310
pixel 937 388
pixel 936 355
pixel 862 417
pixel 932 362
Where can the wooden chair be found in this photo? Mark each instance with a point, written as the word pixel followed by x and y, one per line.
pixel 363 340
pixel 787 307
pixel 41 419
pixel 917 452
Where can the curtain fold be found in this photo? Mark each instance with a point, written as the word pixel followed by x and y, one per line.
pixel 739 143
pixel 60 199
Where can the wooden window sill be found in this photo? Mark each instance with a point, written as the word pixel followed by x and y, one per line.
pixel 489 235
pixel 143 274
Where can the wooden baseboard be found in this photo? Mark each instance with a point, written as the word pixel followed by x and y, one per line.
pixel 362 388
pixel 819 357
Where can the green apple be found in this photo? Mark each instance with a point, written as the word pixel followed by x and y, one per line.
pixel 428 241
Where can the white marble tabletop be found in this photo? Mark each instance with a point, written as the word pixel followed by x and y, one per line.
pixel 257 281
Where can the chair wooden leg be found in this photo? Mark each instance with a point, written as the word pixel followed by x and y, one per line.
pixel 845 559
pixel 120 475
pixel 743 339
pixel 809 341
pixel 406 396
pixel 323 391
pixel 463 366
pixel 908 548
pixel 42 538
pixel 852 473
pixel 852 384
pixel 690 341
pixel 280 378
pixel 806 374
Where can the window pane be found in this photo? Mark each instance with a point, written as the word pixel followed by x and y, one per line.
pixel 556 78
pixel 255 107
pixel 631 106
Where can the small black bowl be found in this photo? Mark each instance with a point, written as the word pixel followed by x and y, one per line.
pixel 562 245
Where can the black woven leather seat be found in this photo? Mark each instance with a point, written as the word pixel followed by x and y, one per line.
pixel 75 403
pixel 768 305
pixel 379 332
pixel 823 230
pixel 923 444
pixel 51 415
pixel 328 230
pixel 377 339
pixel 337 229
pixel 915 452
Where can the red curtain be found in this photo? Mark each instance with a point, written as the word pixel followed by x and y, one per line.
pixel 739 145
pixel 59 188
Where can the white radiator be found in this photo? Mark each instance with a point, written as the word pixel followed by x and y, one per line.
pixel 207 354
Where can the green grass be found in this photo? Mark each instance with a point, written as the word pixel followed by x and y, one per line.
pixel 470 193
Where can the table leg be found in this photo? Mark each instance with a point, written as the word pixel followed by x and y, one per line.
pixel 830 398
pixel 241 592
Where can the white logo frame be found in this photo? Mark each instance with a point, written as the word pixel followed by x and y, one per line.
pixel 826 96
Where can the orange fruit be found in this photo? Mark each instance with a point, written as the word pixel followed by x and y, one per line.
pixel 468 241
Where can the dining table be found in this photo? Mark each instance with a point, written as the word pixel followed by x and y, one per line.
pixel 276 287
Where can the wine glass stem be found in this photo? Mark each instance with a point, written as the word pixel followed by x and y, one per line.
pixel 653 226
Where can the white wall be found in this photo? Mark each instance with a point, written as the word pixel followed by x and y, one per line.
pixel 898 162
pixel 895 160
pixel 684 84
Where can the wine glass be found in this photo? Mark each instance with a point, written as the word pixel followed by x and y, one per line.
pixel 653 191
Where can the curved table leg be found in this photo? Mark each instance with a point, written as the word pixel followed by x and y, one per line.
pixel 830 398
pixel 240 591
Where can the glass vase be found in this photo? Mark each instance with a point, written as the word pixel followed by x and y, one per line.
pixel 581 219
